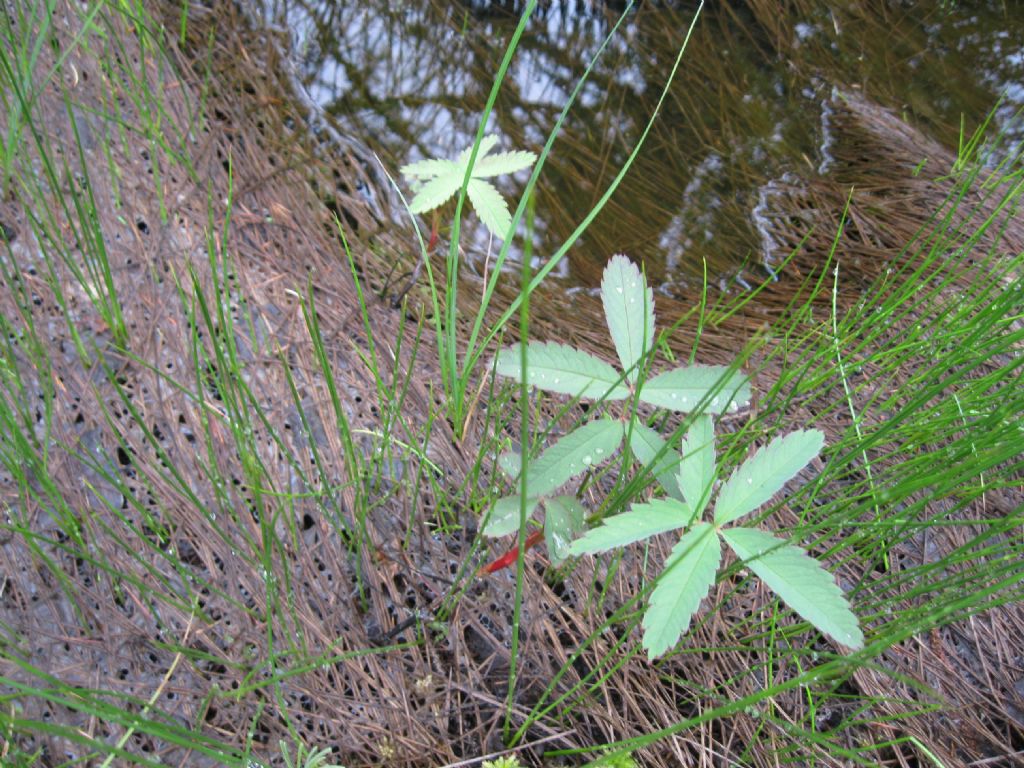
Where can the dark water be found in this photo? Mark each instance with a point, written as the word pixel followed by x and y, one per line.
pixel 410 80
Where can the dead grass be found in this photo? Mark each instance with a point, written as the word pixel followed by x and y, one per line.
pixel 330 660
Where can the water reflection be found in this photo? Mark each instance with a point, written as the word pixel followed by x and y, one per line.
pixel 410 80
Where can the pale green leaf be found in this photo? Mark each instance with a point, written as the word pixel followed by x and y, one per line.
pixel 711 387
pixel 761 476
pixel 487 143
pixel 646 443
pixel 689 573
pixel 504 162
pixel 441 179
pixel 799 580
pixel 563 522
pixel 435 192
pixel 629 312
pixel 504 516
pixel 563 369
pixel 426 169
pixel 641 522
pixel 697 469
pixel 572 455
pixel 511 463
pixel 490 207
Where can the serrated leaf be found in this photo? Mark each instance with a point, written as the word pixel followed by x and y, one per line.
pixel 489 206
pixel 563 522
pixel 487 143
pixel 435 192
pixel 504 162
pixel 504 516
pixel 646 444
pixel 629 312
pixel 572 455
pixel 425 169
pixel 641 522
pixel 684 389
pixel 697 469
pixel 563 369
pixel 689 573
pixel 799 580
pixel 761 476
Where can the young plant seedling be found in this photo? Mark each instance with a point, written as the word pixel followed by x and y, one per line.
pixel 691 567
pixel 579 450
pixel 437 180
pixel 689 478
pixel 629 312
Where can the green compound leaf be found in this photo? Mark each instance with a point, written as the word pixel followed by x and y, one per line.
pixel 799 580
pixel 629 311
pixel 646 444
pixel 711 387
pixel 504 517
pixel 441 179
pixel 761 476
pixel 572 455
pixel 697 469
pixel 563 369
pixel 689 573
pixel 489 206
pixel 641 522
pixel 563 522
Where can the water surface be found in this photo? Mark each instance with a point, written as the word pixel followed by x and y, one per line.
pixel 410 80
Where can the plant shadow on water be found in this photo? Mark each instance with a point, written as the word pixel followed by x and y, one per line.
pixel 749 106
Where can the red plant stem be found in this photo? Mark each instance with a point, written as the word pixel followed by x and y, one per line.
pixel 434 230
pixel 510 557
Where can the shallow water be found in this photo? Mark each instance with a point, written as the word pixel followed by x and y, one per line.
pixel 750 103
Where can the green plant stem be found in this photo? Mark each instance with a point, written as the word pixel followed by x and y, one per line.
pixel 456 384
pixel 524 441
pixel 492 283
pixel 473 354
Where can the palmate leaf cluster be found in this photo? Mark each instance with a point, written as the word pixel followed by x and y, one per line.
pixel 306 757
pixel 689 477
pixel 438 180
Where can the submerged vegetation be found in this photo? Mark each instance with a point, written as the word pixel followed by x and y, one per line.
pixel 245 496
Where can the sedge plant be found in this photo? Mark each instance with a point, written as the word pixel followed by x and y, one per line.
pixel 689 478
